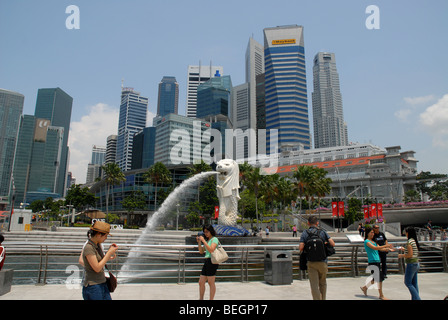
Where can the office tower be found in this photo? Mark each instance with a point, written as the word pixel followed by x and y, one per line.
pixel 11 106
pixel 328 119
pixel 213 105
pixel 111 148
pixel 133 109
pixel 254 68
pixel 285 87
pixel 241 120
pixel 168 100
pixel 94 167
pixel 197 75
pixel 41 163
pixel 181 140
pixel 143 148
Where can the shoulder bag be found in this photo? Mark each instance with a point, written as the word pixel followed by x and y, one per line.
pixel 111 281
pixel 219 255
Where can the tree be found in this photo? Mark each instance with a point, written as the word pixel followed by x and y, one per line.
pixel 80 197
pixel 354 212
pixel 112 176
pixel 136 200
pixel 253 180
pixel 157 174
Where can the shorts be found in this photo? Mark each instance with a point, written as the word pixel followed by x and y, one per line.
pixel 209 269
pixel 376 267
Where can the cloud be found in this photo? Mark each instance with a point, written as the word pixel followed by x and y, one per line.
pixel 419 100
pixel 93 129
pixel 435 121
pixel 412 104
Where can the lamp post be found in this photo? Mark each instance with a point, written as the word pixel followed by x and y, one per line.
pixel 177 217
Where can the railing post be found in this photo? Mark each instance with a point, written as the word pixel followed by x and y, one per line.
pixel 354 261
pixel 445 256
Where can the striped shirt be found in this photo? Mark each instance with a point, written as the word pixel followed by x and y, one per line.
pixel 414 258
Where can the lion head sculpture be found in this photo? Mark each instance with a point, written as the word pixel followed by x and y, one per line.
pixel 228 178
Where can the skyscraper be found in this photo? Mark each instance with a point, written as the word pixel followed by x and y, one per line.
pixel 132 119
pixel 11 106
pixel 285 86
pixel 168 100
pixel 94 167
pixel 196 76
pixel 41 164
pixel 328 119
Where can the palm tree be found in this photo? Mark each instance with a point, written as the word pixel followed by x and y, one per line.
pixel 112 176
pixel 253 181
pixel 157 174
pixel 303 179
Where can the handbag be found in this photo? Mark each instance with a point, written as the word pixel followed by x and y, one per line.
pixel 219 255
pixel 111 282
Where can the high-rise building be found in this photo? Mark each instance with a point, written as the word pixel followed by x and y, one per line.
pixel 285 87
pixel 181 140
pixel 168 100
pixel 111 148
pixel 11 107
pixel 197 75
pixel 143 148
pixel 55 105
pixel 132 119
pixel 214 105
pixel 328 119
pixel 94 167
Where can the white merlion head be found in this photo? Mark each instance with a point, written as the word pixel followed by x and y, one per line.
pixel 228 176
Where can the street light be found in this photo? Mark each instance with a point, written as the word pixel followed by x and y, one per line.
pixel 177 218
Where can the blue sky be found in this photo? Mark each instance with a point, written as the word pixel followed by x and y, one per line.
pixel 394 80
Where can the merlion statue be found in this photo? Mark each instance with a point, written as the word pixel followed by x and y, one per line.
pixel 227 185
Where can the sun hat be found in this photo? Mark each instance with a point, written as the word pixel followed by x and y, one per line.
pixel 101 226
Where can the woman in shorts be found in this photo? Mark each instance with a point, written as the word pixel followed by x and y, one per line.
pixel 207 243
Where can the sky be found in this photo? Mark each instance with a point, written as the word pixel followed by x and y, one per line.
pixel 391 61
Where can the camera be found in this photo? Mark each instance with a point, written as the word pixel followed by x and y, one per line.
pixel 201 234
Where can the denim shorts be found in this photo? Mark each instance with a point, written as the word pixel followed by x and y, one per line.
pixel 96 292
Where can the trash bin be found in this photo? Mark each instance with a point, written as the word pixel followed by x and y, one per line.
pixel 278 267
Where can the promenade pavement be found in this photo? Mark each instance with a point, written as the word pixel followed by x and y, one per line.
pixel 433 286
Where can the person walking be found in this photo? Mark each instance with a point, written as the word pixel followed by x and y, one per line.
pixel 316 258
pixel 207 243
pixel 294 231
pixel 374 262
pixel 412 265
pixel 93 260
pixel 380 238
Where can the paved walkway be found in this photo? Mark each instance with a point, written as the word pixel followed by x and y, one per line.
pixel 433 286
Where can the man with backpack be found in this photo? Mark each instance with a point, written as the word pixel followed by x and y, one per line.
pixel 313 243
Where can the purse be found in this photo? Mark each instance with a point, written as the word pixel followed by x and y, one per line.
pixel 111 282
pixel 219 255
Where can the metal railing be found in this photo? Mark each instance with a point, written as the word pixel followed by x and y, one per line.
pixel 42 263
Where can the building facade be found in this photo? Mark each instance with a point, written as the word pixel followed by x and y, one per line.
pixel 132 119
pixel 181 140
pixel 11 107
pixel 197 75
pixel 168 100
pixel 285 86
pixel 330 129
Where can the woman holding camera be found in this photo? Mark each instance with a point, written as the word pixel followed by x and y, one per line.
pixel 207 243
pixel 93 259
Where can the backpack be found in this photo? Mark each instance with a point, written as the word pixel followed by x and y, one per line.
pixel 315 248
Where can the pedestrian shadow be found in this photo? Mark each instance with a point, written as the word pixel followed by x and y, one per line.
pixel 366 297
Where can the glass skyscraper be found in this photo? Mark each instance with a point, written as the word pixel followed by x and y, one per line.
pixel 11 107
pixel 328 119
pixel 285 86
pixel 132 119
pixel 41 163
pixel 168 101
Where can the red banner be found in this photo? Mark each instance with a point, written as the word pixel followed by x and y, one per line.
pixel 334 208
pixel 216 212
pixel 341 208
pixel 379 206
pixel 366 213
